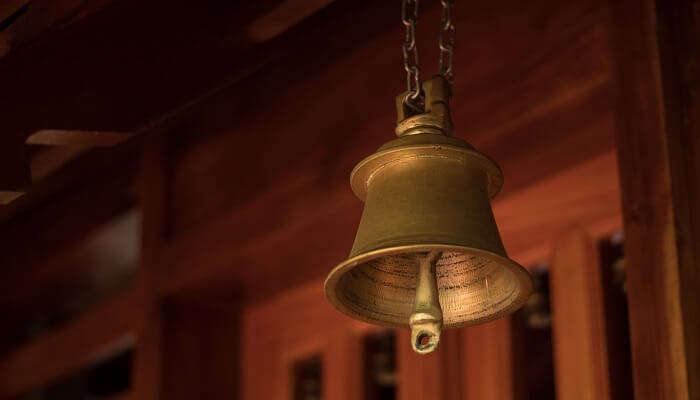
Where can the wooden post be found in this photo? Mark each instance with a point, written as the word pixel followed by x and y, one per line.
pixel 658 143
pixel 414 371
pixel 148 358
pixel 200 345
pixel 488 361
pixel 343 370
pixel 578 320
pixel 432 376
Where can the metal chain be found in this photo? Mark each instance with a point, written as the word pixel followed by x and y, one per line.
pixel 409 17
pixel 447 41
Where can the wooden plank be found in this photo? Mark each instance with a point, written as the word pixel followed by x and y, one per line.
pixel 8 196
pixel 105 330
pixel 61 137
pixel 659 151
pixel 488 361
pixel 578 319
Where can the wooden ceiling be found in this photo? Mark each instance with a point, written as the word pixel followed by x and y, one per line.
pixel 266 106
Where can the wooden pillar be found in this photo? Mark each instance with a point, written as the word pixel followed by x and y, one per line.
pixel 418 375
pixel 658 144
pixel 343 367
pixel 434 376
pixel 148 357
pixel 578 320
pixel 200 345
pixel 488 361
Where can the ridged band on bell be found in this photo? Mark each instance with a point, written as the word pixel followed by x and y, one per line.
pixel 426 193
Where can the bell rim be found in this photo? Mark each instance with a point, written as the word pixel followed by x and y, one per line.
pixel 361 175
pixel 524 279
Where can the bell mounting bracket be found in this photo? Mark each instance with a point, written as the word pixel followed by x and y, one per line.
pixel 434 117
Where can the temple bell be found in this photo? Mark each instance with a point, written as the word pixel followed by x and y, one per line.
pixel 427 254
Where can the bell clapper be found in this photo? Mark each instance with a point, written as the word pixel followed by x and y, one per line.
pixel 426 320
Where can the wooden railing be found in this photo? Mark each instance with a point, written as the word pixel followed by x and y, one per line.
pixel 106 330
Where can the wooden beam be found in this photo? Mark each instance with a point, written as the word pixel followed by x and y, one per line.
pixel 61 170
pixel 578 319
pixel 100 333
pixel 8 196
pixel 47 161
pixel 658 142
pixel 61 137
pixel 21 173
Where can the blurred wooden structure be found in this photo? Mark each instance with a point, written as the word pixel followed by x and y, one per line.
pixel 168 188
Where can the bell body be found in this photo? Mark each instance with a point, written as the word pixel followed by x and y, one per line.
pixel 425 193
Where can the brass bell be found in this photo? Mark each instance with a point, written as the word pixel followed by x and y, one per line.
pixel 427 254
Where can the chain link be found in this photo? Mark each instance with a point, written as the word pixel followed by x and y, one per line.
pixel 447 41
pixel 409 17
